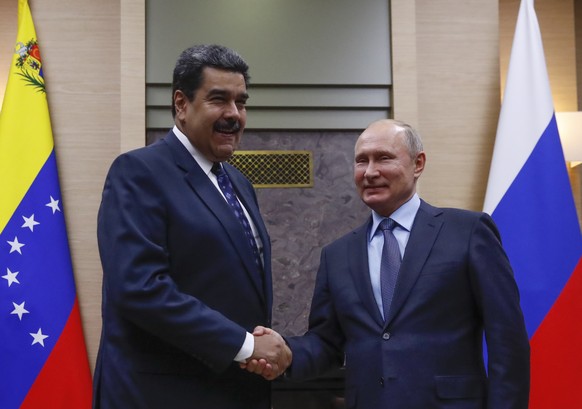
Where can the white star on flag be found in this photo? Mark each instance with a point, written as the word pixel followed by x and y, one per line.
pixel 15 245
pixel 38 337
pixel 29 222
pixel 19 310
pixel 54 204
pixel 11 277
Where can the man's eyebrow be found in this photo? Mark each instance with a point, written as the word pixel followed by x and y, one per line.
pixel 217 91
pixel 223 92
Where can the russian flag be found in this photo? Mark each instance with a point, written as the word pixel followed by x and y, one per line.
pixel 530 198
pixel 43 359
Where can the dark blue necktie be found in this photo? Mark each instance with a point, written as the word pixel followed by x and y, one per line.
pixel 226 187
pixel 389 265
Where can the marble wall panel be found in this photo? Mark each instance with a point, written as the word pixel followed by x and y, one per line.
pixel 302 220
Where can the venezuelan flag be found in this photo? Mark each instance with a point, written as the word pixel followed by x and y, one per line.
pixel 530 198
pixel 43 359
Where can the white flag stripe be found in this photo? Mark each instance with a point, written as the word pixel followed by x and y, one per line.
pixel 526 111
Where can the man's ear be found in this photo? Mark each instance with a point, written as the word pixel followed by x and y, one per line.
pixel 180 101
pixel 419 163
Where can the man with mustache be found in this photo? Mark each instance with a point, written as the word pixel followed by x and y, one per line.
pixel 186 257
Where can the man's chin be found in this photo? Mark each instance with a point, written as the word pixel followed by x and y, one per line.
pixel 374 201
pixel 374 194
pixel 371 200
pixel 224 153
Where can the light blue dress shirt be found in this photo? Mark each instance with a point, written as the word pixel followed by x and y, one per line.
pixel 404 216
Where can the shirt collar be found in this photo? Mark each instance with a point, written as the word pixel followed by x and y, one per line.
pixel 404 215
pixel 204 163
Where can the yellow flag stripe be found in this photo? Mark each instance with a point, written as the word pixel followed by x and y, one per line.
pixel 26 139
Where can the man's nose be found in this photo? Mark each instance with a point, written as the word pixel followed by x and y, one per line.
pixel 371 170
pixel 232 110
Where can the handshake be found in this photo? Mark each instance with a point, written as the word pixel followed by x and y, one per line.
pixel 271 356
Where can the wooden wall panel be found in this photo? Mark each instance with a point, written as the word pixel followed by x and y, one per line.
pixel 556 20
pixel 132 74
pixel 8 11
pixel 80 44
pixel 446 66
pixel 404 61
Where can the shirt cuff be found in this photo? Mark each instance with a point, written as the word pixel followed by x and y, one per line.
pixel 246 350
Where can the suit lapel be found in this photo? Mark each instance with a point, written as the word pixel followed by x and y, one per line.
pixel 424 232
pixel 360 269
pixel 208 194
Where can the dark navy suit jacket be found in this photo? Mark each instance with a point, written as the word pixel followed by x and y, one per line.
pixel 455 284
pixel 180 286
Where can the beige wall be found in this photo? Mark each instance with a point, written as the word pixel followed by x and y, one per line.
pixel 556 20
pixel 446 81
pixel 7 38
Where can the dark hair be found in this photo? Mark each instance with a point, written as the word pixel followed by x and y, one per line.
pixel 192 61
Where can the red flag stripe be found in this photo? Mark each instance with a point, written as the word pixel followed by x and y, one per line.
pixel 555 351
pixel 65 379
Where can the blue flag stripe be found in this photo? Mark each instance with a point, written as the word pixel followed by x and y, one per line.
pixel 542 266
pixel 44 285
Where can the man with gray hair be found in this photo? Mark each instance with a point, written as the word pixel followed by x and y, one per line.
pixel 406 299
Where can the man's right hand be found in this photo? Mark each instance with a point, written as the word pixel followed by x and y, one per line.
pixel 271 355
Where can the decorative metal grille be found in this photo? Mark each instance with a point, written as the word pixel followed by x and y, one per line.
pixel 275 168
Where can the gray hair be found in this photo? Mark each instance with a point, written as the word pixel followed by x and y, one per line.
pixel 412 138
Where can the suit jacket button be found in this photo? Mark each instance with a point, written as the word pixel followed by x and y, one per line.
pixel 382 381
pixel 386 336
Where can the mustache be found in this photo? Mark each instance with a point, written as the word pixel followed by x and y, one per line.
pixel 227 126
